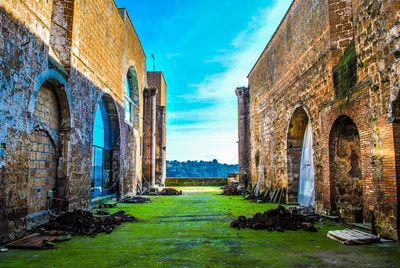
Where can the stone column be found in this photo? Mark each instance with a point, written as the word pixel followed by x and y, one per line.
pixel 243 96
pixel 149 128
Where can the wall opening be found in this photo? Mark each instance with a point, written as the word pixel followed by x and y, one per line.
pixel 132 97
pixel 345 170
pixel 295 137
pixel 44 153
pixel 105 150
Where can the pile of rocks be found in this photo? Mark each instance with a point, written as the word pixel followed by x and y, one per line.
pixel 169 191
pixel 231 189
pixel 81 222
pixel 278 219
pixel 135 200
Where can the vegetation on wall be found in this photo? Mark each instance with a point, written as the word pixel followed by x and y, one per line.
pixel 200 169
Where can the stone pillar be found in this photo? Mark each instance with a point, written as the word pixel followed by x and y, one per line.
pixel 243 96
pixel 156 80
pixel 161 156
pixel 149 144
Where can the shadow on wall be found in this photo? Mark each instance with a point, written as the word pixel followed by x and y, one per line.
pixel 46 136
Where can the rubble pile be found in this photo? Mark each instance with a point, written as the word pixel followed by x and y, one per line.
pixel 169 191
pixel 81 222
pixel 231 189
pixel 278 219
pixel 135 200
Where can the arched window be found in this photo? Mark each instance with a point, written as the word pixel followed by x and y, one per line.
pixel 101 162
pixel 131 95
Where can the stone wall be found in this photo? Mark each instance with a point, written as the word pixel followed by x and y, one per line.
pixel 332 59
pixel 196 181
pixel 80 51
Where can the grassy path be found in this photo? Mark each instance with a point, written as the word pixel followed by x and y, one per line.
pixel 193 231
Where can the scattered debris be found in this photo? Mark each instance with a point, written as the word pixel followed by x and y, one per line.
pixel 231 189
pixel 278 219
pixel 169 191
pixel 81 222
pixel 353 237
pixel 135 199
pixel 102 212
pixel 269 195
pixel 110 205
pixel 33 241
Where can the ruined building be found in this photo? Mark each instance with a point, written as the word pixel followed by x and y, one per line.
pixel 73 89
pixel 326 90
pixel 155 154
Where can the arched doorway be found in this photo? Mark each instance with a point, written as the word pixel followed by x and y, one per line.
pixel 105 150
pixel 300 167
pixel 345 170
pixel 45 147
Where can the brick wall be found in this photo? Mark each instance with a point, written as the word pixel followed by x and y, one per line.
pixel 297 70
pixel 82 50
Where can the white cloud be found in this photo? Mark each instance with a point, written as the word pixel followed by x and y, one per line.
pixel 216 138
pixel 172 55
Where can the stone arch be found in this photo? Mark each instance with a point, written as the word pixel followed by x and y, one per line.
pixel 49 143
pixel 345 170
pixel 295 137
pixel 110 153
pixel 132 97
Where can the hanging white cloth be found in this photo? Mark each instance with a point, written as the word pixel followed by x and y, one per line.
pixel 306 194
pixel 260 178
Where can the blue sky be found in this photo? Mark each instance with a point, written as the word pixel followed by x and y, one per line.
pixel 205 49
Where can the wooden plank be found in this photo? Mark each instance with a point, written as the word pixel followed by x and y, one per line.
pixel 351 237
pixel 32 241
pixel 273 195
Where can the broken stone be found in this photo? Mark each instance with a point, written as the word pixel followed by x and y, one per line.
pixel 135 199
pixel 169 191
pixel 278 219
pixel 231 189
pixel 82 222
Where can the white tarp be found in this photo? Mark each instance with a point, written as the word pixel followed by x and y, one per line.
pixel 260 178
pixel 306 195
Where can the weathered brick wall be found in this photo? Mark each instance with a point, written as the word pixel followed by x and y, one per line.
pixel 156 80
pixel 84 63
pixel 303 67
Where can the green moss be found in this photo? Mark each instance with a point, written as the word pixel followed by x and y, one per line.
pixel 193 231
pixel 345 73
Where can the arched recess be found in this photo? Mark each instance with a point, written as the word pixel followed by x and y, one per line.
pixel 295 138
pixel 131 104
pixel 345 170
pixel 49 145
pixel 394 118
pixel 105 149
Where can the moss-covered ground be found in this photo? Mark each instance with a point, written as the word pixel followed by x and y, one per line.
pixel 193 231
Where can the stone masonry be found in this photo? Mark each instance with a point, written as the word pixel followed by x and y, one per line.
pixel 336 65
pixel 59 60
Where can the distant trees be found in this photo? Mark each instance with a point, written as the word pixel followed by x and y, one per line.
pixel 202 169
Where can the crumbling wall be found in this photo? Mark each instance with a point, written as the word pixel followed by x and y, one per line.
pixel 156 80
pixel 103 46
pixel 334 58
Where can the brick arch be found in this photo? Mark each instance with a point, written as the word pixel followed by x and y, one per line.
pixel 114 160
pixel 345 165
pixel 60 86
pixel 46 143
pixel 294 145
pixel 393 106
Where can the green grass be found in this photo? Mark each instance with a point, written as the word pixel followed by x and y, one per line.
pixel 193 231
